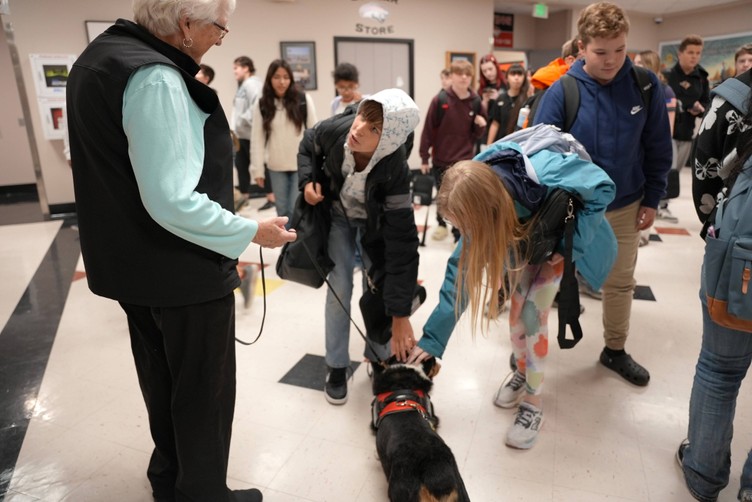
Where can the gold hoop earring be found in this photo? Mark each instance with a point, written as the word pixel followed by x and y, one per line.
pixel 187 43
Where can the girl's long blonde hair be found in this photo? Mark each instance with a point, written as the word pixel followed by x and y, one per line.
pixel 473 198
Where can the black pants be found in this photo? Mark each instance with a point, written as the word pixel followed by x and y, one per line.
pixel 185 360
pixel 243 165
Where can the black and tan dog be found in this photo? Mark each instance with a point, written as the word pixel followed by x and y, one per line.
pixel 418 464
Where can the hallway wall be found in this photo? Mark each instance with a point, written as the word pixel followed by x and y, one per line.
pixel 257 27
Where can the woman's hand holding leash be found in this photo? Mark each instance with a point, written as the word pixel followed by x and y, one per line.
pixel 271 233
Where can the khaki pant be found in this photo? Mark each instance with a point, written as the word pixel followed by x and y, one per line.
pixel 619 286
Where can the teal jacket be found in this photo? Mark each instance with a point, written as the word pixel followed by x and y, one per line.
pixel 594 246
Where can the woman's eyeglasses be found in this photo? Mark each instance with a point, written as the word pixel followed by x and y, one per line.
pixel 225 29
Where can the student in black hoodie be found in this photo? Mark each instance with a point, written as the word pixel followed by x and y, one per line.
pixel 689 81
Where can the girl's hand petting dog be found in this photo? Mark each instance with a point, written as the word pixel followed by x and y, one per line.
pixel 403 338
pixel 418 355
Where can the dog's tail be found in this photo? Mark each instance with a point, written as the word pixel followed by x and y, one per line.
pixel 434 480
pixel 426 496
pixel 443 482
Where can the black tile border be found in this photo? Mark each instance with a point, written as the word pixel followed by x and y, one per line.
pixel 26 342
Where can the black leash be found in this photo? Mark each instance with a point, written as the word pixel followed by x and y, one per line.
pixel 569 295
pixel 341 304
pixel 263 316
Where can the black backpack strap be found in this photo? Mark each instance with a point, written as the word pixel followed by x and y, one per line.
pixel 569 294
pixel 571 100
pixel 443 103
pixel 642 77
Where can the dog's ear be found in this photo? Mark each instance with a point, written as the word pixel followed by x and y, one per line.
pixel 431 367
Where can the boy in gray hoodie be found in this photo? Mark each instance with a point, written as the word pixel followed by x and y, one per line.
pixel 356 164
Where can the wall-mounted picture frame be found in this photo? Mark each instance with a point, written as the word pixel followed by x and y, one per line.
pixel 96 28
pixel 717 54
pixel 452 56
pixel 302 59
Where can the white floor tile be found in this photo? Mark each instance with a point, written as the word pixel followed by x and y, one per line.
pixel 603 439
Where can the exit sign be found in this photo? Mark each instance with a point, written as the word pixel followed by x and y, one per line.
pixel 540 10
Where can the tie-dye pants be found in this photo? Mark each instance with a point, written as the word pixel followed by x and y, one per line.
pixel 528 319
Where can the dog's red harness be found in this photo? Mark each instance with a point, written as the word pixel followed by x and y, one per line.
pixel 398 401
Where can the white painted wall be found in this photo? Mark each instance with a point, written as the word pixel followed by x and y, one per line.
pixel 16 166
pixel 257 27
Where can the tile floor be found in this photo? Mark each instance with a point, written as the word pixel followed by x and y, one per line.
pixel 74 427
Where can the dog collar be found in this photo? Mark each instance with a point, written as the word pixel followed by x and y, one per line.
pixel 399 401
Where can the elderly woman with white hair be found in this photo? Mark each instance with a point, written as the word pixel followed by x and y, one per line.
pixel 152 169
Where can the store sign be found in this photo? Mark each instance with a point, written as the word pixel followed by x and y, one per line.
pixel 503 30
pixel 375 12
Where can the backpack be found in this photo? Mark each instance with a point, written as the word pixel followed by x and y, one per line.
pixel 727 264
pixel 552 223
pixel 572 96
pixel 444 105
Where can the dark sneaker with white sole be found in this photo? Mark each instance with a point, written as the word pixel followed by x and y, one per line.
pixel 680 453
pixel 628 368
pixel 335 388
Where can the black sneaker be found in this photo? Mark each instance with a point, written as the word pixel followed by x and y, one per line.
pixel 627 367
pixel 252 495
pixel 335 389
pixel 680 453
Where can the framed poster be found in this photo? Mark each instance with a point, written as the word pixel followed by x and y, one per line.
pixel 302 59
pixel 717 55
pixel 452 56
pixel 95 28
pixel 503 30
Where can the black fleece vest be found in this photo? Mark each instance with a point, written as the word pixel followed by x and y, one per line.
pixel 128 256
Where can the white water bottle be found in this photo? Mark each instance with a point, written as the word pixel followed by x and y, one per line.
pixel 522 117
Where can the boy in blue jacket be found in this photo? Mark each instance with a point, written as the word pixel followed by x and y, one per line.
pixel 631 141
